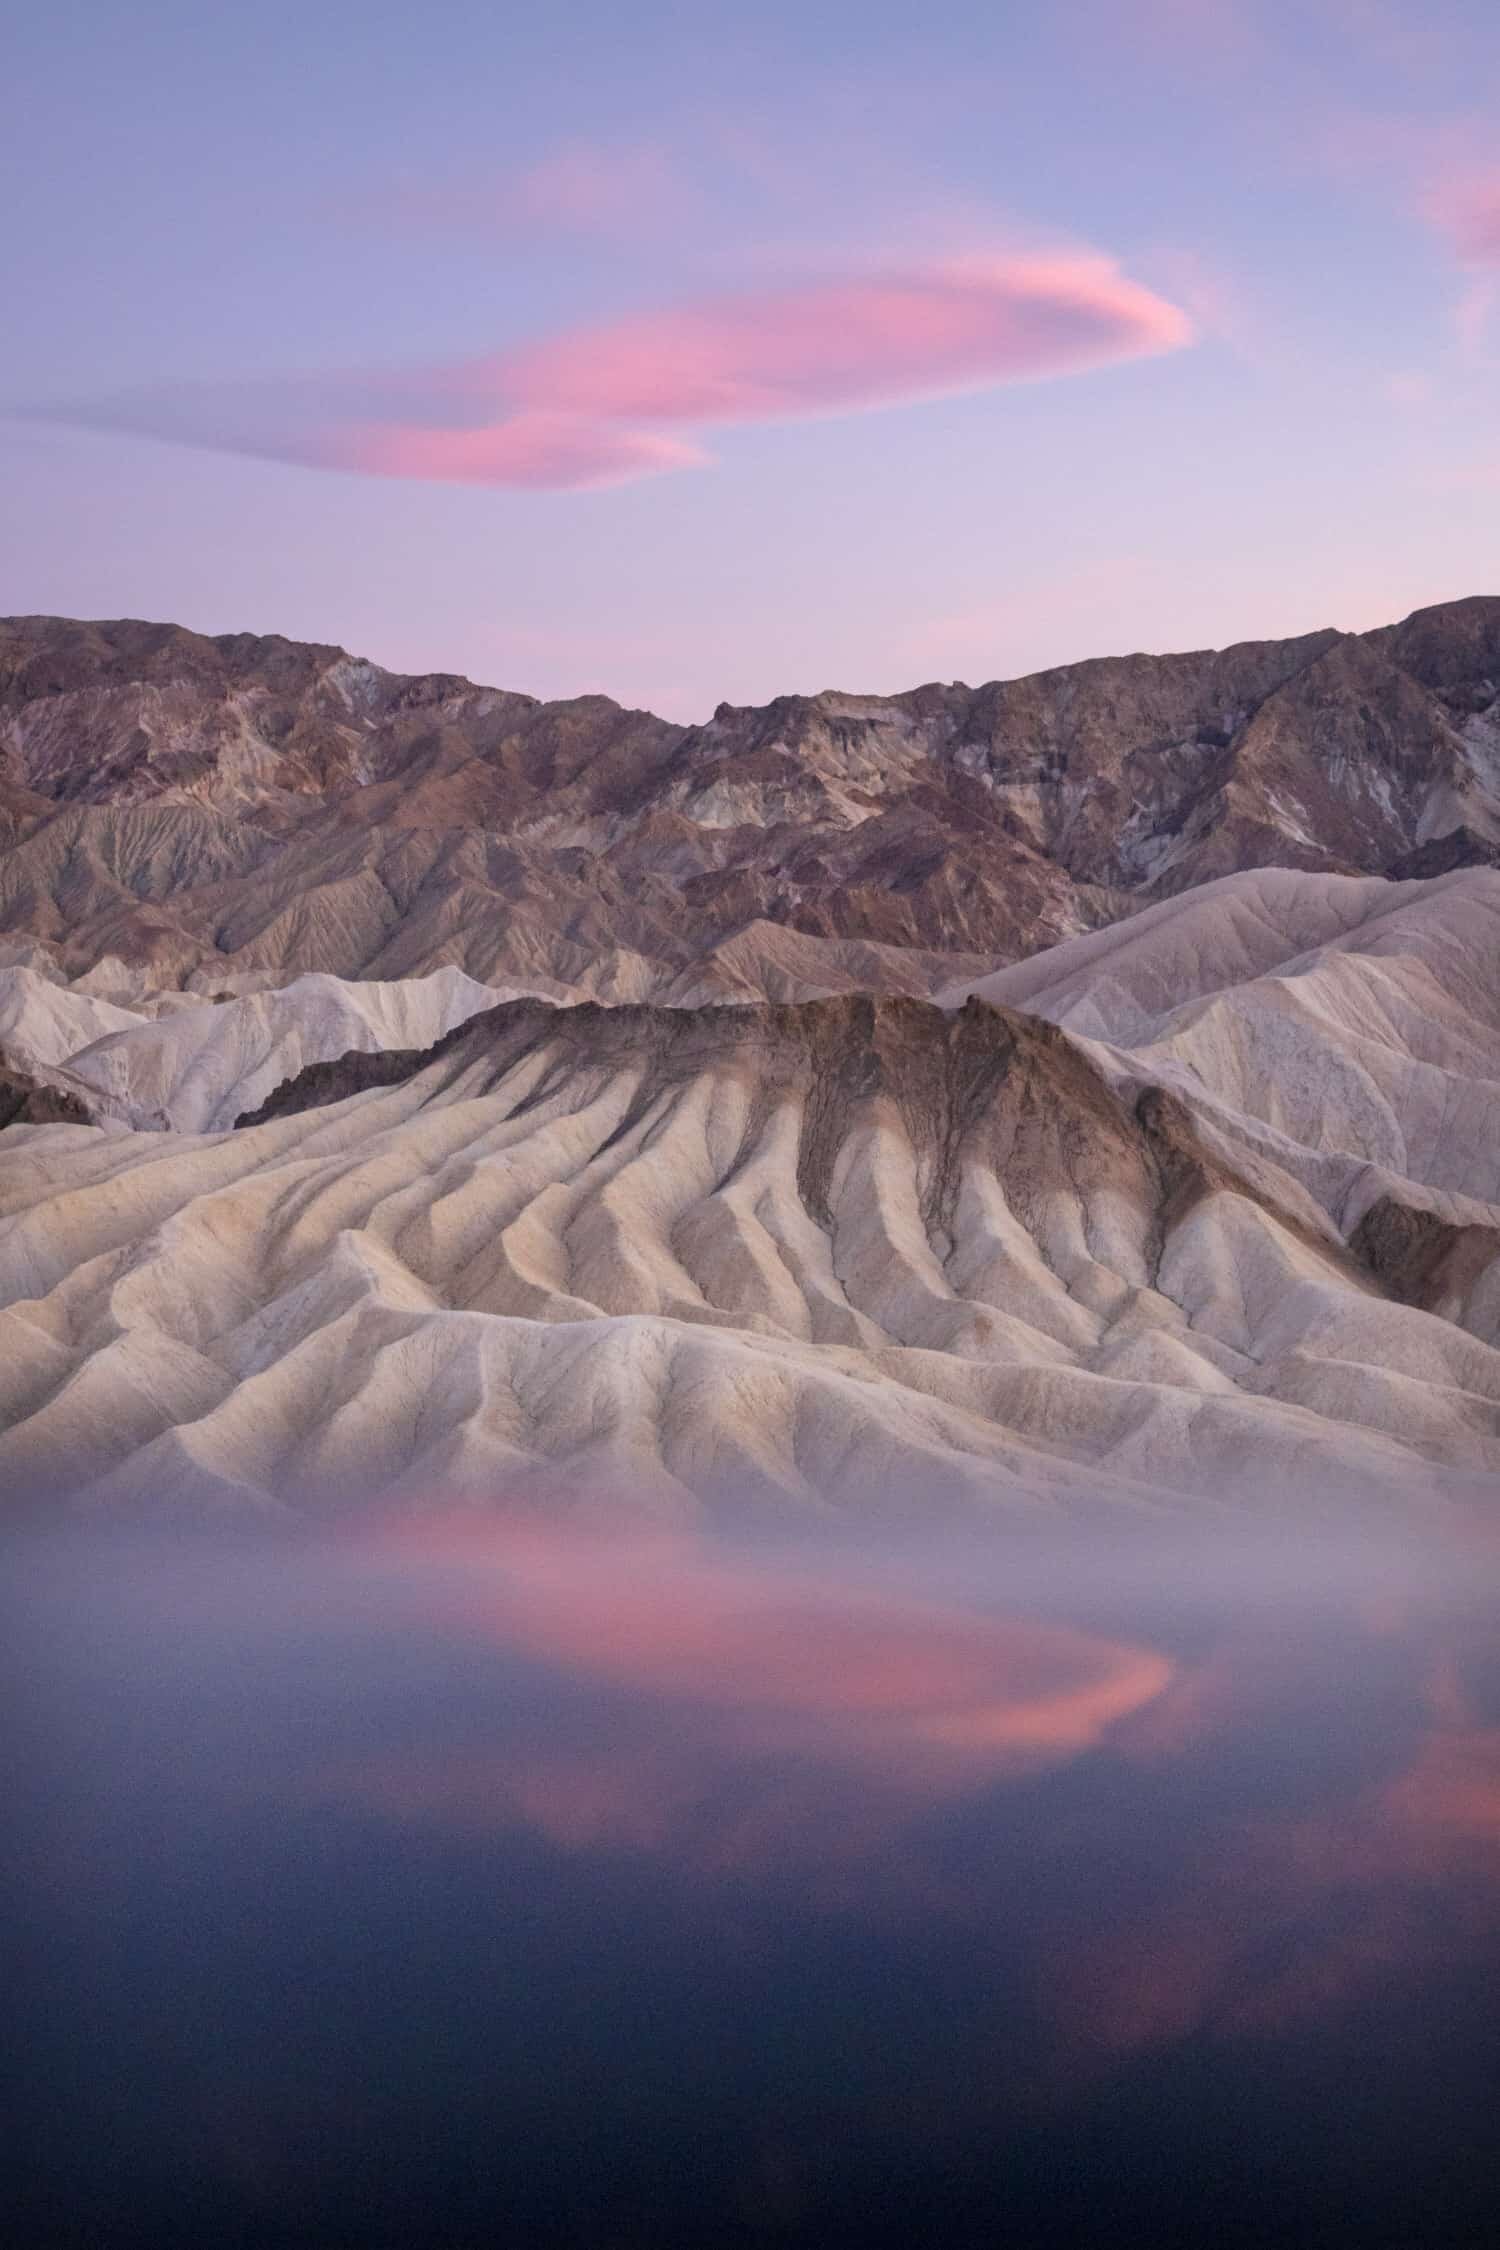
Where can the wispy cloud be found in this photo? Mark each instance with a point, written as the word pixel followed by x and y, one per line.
pixel 1465 207
pixel 1185 38
pixel 603 404
pixel 537 451
pixel 1441 172
pixel 613 190
pixel 1222 28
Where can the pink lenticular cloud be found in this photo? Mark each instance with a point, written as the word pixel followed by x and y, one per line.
pixel 567 412
pixel 848 344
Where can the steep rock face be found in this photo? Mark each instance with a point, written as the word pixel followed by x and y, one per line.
pixel 193 1060
pixel 1442 855
pixel 247 806
pixel 981 1083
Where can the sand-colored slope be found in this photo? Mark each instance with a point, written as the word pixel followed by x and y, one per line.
pixel 1350 1029
pixel 180 1062
pixel 844 1253
pixel 43 1021
pixel 200 1068
pixel 1125 982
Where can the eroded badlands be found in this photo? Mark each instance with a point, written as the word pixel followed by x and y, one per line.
pixel 1222 1233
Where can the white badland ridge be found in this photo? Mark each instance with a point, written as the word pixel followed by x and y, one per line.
pixel 600 1252
pixel 1347 1027
pixel 199 1067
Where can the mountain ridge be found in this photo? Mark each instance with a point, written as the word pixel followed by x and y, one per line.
pixel 255 807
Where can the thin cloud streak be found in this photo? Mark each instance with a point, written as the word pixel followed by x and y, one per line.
pixel 565 413
pixel 1466 210
pixel 1190 39
pixel 615 192
pixel 1464 206
pixel 536 452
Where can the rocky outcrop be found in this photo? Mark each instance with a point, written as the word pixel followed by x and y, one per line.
pixel 25 1100
pixel 1447 1265
pixel 1441 855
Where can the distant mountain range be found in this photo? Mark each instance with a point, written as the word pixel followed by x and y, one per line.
pixel 237 811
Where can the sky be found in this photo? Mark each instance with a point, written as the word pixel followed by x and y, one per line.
pixel 705 353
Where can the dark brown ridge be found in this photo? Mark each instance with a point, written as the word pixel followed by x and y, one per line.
pixel 25 1100
pixel 1420 1258
pixel 983 1081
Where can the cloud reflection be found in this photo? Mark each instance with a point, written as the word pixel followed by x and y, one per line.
pixel 835 1706
pixel 1359 1851
pixel 1154 1801
pixel 1304 1802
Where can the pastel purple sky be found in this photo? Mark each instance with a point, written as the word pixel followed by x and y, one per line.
pixel 692 354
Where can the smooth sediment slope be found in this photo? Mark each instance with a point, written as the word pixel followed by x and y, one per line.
pixel 1348 1029
pixel 858 1253
pixel 197 1068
